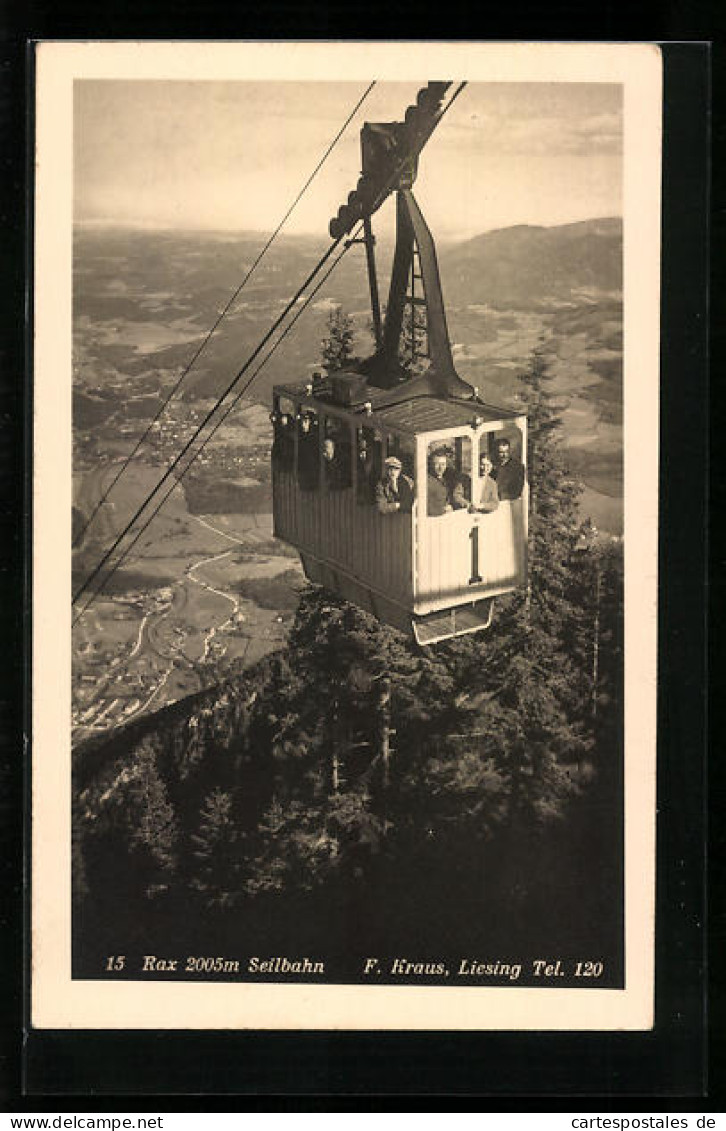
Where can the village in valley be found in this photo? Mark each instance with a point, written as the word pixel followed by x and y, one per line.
pixel 202 593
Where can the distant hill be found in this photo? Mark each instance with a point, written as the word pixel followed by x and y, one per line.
pixel 144 302
pixel 521 265
pixel 527 265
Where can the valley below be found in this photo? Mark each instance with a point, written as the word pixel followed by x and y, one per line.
pixel 207 588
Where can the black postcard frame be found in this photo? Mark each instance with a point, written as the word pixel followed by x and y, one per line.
pixel 666 1063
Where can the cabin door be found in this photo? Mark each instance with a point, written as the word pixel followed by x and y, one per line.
pixel 450 554
pixel 463 553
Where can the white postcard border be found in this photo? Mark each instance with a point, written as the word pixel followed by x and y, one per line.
pixel 57 1000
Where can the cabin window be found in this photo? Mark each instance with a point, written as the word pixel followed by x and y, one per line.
pixel 369 465
pixel 308 457
pixel 283 433
pixel 505 450
pixel 394 492
pixel 336 455
pixel 403 448
pixel 485 497
pixel 448 481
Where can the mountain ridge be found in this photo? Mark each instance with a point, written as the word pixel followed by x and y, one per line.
pixel 102 225
pixel 528 265
pixel 601 225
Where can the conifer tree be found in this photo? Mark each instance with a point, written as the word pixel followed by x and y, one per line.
pixel 216 845
pixel 151 817
pixel 328 796
pixel 413 344
pixel 337 345
pixel 554 495
pixel 527 688
pixel 596 635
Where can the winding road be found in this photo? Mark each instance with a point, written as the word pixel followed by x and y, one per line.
pixel 150 640
pixel 235 603
pixel 154 653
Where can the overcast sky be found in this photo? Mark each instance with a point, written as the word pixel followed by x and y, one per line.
pixel 228 155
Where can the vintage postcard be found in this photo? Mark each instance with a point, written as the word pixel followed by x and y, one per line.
pixel 345 535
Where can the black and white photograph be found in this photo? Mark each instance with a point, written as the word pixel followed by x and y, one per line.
pixel 346 419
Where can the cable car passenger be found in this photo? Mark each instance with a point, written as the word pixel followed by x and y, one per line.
pixel 335 465
pixel 509 474
pixel 366 474
pixel 445 491
pixel 283 445
pixel 460 491
pixel 488 494
pixel 394 492
pixel 308 467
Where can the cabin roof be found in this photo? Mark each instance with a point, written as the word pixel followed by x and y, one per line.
pixel 410 414
pixel 429 414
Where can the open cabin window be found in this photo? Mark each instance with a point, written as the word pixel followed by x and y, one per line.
pixel 308 454
pixel 485 497
pixel 283 433
pixel 448 475
pixel 336 455
pixel 504 448
pixel 403 448
pixel 395 490
pixel 368 465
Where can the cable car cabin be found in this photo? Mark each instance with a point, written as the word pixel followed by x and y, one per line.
pixel 383 481
pixel 428 558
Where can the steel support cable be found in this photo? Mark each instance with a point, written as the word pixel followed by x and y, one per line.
pixel 238 396
pixel 230 408
pixel 205 342
pixel 169 471
pixel 89 580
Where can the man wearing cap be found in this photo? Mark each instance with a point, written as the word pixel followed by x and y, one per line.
pixel 394 492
